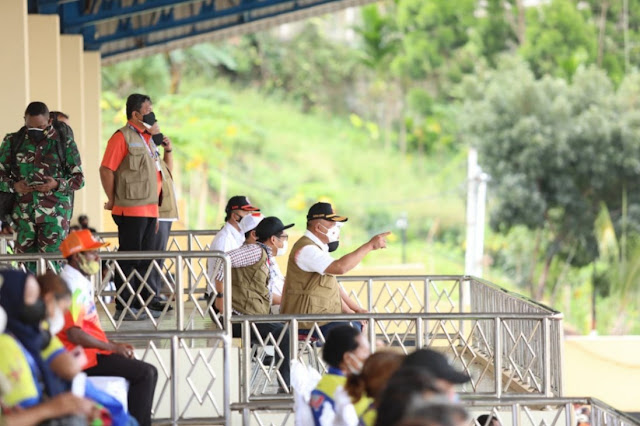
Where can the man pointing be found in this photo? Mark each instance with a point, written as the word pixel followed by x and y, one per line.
pixel 311 286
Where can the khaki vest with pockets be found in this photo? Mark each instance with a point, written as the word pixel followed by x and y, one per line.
pixel 169 206
pixel 250 288
pixel 309 292
pixel 136 177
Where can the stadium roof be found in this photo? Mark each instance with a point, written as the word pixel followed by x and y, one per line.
pixel 122 29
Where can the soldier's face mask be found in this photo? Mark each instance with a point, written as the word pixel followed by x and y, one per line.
pixel 36 134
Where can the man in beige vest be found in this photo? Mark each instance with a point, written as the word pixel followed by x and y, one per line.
pixel 253 275
pixel 131 176
pixel 168 210
pixel 311 286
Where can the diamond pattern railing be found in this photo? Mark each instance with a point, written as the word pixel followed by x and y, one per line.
pixel 463 337
pixel 181 277
pixel 183 240
pixel 182 394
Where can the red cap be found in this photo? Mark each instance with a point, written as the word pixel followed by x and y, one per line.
pixel 80 241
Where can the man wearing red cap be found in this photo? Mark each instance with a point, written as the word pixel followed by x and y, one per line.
pixel 82 327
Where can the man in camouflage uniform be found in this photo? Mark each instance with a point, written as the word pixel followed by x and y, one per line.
pixel 40 164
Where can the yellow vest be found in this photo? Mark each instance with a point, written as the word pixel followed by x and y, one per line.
pixel 328 385
pixel 168 206
pixel 136 177
pixel 250 288
pixel 309 292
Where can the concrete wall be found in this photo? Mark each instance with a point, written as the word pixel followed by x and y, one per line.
pixel 42 65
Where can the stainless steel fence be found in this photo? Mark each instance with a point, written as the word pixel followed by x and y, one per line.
pixel 468 348
pixel 197 394
pixel 509 411
pixel 180 240
pixel 182 276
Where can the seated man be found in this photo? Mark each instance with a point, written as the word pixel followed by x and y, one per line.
pixel 252 278
pixel 82 327
pixel 311 286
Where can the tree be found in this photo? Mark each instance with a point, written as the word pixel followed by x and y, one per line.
pixel 555 152
pixel 559 38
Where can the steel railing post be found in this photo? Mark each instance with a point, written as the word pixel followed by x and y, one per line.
pixel 227 379
pixel 497 356
pixel 179 292
pixel 246 360
pixel 419 334
pixel 174 380
pixel 370 295
pixel 546 342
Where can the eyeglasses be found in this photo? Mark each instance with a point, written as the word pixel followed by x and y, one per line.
pixel 283 237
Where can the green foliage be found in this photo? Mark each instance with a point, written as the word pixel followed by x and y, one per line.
pixel 555 152
pixel 559 38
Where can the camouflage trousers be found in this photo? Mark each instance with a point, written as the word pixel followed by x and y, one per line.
pixel 45 237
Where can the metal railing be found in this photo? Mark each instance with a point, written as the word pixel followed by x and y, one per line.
pixel 180 240
pixel 469 350
pixel 509 411
pixel 209 393
pixel 182 276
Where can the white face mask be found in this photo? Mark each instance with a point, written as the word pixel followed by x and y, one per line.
pixel 333 233
pixel 282 250
pixel 3 320
pixel 56 324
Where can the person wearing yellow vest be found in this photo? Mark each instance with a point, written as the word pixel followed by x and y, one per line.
pixel 311 286
pixel 253 275
pixel 131 176
pixel 345 351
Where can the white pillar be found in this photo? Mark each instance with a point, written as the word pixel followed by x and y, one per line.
pixel 44 60
pixel 14 74
pixel 472 205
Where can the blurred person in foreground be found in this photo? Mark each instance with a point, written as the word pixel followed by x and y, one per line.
pixel 445 375
pixel 435 413
pixel 345 351
pixel 370 382
pixel 31 392
pixel 82 328
pixel 408 385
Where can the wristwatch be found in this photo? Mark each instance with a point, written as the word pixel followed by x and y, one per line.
pixel 219 295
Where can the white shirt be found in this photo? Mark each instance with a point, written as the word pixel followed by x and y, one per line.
pixel 227 239
pixel 314 258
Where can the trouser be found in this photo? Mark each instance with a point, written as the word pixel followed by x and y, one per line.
pixel 39 238
pixel 275 329
pixel 134 234
pixel 324 329
pixel 160 240
pixel 142 378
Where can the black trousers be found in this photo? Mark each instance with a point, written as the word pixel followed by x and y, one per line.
pixel 275 329
pixel 142 379
pixel 160 240
pixel 134 234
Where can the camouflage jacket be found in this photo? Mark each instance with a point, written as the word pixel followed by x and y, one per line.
pixel 36 161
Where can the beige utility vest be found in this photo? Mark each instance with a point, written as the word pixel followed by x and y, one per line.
pixel 250 288
pixel 309 292
pixel 136 177
pixel 168 205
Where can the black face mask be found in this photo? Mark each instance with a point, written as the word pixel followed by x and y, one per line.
pixel 149 119
pixel 333 246
pixel 37 135
pixel 158 139
pixel 33 314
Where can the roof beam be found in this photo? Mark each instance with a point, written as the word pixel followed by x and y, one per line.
pixel 206 14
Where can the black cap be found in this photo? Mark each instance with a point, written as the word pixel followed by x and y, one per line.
pixel 436 364
pixel 324 211
pixel 240 202
pixel 270 226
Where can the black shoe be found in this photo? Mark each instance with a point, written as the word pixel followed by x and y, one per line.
pixel 159 306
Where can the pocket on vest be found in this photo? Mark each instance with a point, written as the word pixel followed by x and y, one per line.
pixel 137 190
pixel 135 161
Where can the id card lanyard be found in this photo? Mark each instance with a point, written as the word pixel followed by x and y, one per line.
pixel 155 156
